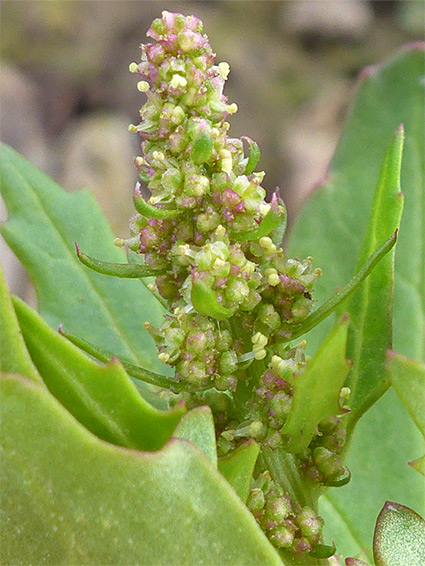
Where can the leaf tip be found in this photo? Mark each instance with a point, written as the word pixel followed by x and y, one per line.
pixel 366 72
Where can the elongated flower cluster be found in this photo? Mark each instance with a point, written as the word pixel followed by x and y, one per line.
pixel 287 525
pixel 206 230
pixel 212 242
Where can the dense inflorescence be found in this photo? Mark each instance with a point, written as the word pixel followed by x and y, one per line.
pixel 206 227
pixel 288 525
pixel 213 243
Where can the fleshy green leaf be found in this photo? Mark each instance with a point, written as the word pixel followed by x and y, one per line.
pixel 408 379
pixel 330 228
pixel 14 357
pixel 73 499
pixel 399 537
pixel 370 308
pixel 44 221
pixel 198 427
pixel 238 467
pixel 101 397
pixel 317 390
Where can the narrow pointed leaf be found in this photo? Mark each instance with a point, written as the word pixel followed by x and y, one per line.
pixel 254 156
pixel 198 427
pixel 238 467
pixel 334 302
pixel 137 372
pixel 370 308
pixel 317 390
pixel 408 379
pixel 124 270
pixel 399 537
pixel 150 211
pixel 102 398
pixel 96 503
pixel 14 356
pixel 44 222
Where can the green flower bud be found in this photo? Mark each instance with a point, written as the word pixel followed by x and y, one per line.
pixel 228 362
pixel 281 537
pixel 278 508
pixel 256 499
pixel 310 524
pixel 328 463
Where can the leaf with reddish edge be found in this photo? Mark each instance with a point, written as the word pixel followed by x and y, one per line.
pixel 96 503
pixel 399 538
pixel 101 397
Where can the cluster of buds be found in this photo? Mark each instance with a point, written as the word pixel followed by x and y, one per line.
pixel 206 231
pixel 288 525
pixel 269 408
pixel 321 461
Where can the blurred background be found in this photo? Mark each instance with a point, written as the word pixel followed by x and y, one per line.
pixel 67 97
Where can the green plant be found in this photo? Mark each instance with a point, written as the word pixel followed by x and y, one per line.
pixel 216 448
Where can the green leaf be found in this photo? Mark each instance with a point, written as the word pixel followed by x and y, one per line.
pixel 73 499
pixel 399 537
pixel 14 357
pixel 334 219
pixel 101 397
pixel 330 228
pixel 370 308
pixel 254 155
pixel 332 304
pixel 44 221
pixel 150 211
pixel 317 390
pixel 384 439
pixel 238 467
pixel 204 300
pixel 124 270
pixel 408 379
pixel 198 427
pixel 139 373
